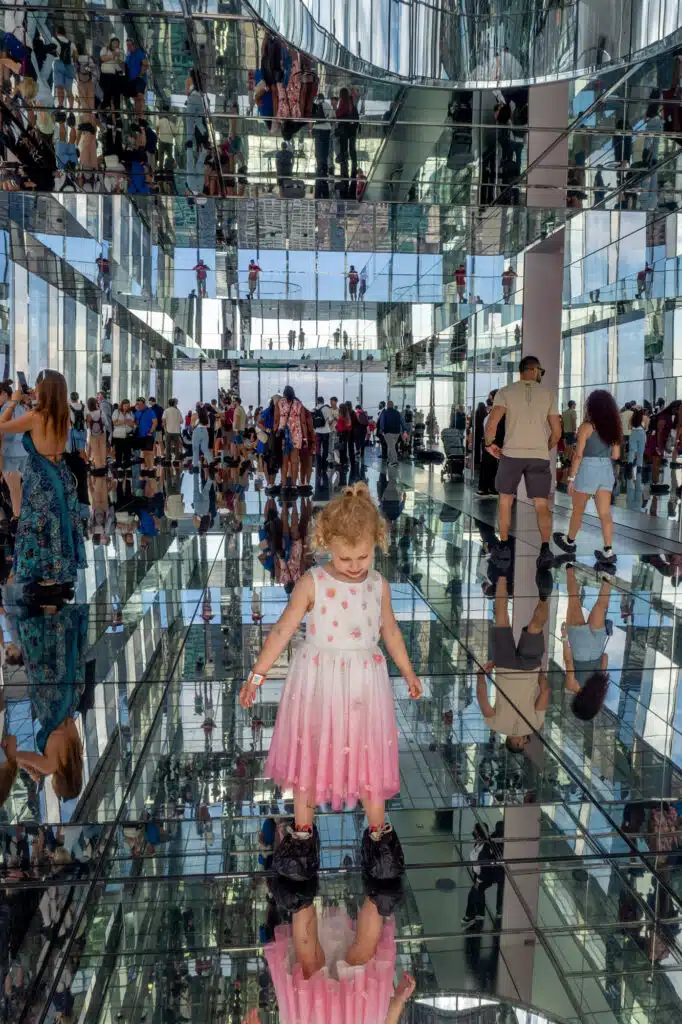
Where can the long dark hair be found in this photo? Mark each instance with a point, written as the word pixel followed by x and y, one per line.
pixel 602 412
pixel 345 106
pixel 637 418
pixel 202 414
pixel 53 403
pixel 590 699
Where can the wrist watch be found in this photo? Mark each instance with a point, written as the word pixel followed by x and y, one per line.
pixel 256 678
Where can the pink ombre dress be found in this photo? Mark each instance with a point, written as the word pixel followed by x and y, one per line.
pixel 335 736
pixel 338 993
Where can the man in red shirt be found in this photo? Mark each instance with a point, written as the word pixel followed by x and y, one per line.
pixel 508 277
pixel 254 271
pixel 353 278
pixel 643 281
pixel 202 272
pixel 461 282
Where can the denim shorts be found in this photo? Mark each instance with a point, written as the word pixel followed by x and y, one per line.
pixel 14 463
pixel 594 475
pixel 63 74
pixel 77 439
pixel 586 644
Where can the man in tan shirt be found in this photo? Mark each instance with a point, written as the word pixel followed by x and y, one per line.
pixel 532 429
pixel 521 687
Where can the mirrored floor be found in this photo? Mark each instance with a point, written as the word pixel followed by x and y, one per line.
pixel 146 892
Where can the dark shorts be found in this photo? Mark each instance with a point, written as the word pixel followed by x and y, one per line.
pixel 144 444
pixel 569 438
pixel 135 87
pixel 535 472
pixel 503 650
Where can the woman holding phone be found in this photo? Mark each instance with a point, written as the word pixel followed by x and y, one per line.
pixel 49 547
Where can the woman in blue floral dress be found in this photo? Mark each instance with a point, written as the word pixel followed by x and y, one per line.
pixel 49 546
pixel 53 642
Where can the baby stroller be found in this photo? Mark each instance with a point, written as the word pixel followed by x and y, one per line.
pixel 453 443
pixel 418 439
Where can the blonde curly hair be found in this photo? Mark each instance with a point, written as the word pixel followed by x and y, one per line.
pixel 348 517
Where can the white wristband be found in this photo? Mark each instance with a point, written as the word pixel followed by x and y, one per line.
pixel 256 678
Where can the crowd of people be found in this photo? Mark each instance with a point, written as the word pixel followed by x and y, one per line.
pixel 80 115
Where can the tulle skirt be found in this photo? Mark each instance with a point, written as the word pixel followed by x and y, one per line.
pixel 335 736
pixel 338 993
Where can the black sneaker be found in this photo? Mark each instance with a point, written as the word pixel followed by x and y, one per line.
pixel 382 855
pixel 545 559
pixel 562 541
pixel 293 896
pixel 501 557
pixel 384 895
pixel 605 559
pixel 545 583
pixel 298 855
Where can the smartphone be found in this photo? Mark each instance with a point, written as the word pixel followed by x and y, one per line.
pixel 21 377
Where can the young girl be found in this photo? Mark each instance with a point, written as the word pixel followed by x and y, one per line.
pixel 335 738
pixel 97 439
pixel 592 471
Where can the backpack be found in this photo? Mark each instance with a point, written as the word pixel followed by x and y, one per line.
pixel 64 51
pixel 362 418
pixel 78 418
pixel 96 426
pixel 319 421
pixel 408 417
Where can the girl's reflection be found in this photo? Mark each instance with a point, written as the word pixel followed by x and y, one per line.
pixel 328 967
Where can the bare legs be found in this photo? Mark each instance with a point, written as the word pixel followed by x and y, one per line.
pixel 304 811
pixel 544 517
pixel 580 501
pixel 602 500
pixel 14 483
pixel 504 515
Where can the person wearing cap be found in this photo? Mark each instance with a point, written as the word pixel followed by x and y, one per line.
pixel 532 429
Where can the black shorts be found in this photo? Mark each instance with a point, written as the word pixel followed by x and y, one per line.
pixel 535 472
pixel 144 444
pixel 504 651
pixel 134 87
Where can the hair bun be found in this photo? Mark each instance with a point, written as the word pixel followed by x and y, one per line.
pixel 358 490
